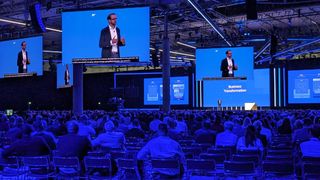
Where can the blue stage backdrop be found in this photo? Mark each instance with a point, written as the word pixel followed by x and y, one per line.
pixel 61 68
pixel 81 32
pixel 9 55
pixel 304 86
pixel 179 91
pixel 238 92
pixel 208 61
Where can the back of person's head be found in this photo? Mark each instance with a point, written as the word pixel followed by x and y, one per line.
pixel 163 129
pixel 238 121
pixel 166 119
pixel 40 125
pixel 298 124
pixel 180 117
pixel 286 123
pixel 172 124
pixel 315 131
pixel 307 122
pixel 109 126
pixel 27 130
pixel 72 127
pixel 246 122
pixel 257 125
pixel 206 124
pixel 228 125
pixel 136 123
pixel 250 136
pixel 18 122
pixel 3 118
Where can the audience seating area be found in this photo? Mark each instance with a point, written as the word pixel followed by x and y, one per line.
pixel 281 156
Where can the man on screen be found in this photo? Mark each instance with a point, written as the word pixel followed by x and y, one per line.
pixel 110 38
pixel 66 76
pixel 227 65
pixel 23 60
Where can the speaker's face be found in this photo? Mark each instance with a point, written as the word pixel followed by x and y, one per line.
pixel 24 45
pixel 229 54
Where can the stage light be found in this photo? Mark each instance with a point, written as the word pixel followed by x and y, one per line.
pixel 53 29
pixel 12 22
pixel 209 22
pixel 26 24
pixel 186 45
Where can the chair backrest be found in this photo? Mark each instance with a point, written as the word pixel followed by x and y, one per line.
pixel 220 150
pixel 66 162
pixel 11 161
pixel 5 141
pixel 310 159
pixel 97 153
pixel 279 158
pixel 186 142
pixel 97 162
pixel 165 163
pixel 132 154
pixel 248 152
pixel 118 154
pixel 218 158
pixel 239 167
pixel 201 165
pixel 38 161
pixel 246 158
pixel 311 168
pixel 126 163
pixel 206 138
pixel 278 167
pixel 133 148
pixel 279 152
pixel 195 151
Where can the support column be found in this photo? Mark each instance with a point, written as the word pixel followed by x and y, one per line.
pixel 77 89
pixel 166 68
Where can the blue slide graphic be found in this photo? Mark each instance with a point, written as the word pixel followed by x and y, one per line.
pixel 238 92
pixel 179 91
pixel 304 86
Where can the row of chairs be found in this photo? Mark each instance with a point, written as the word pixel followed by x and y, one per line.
pixel 70 167
pixel 61 167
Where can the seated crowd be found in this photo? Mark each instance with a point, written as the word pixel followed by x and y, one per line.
pixel 157 135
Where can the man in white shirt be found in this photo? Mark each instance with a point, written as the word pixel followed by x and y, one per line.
pixel 163 147
pixel 23 59
pixel 311 148
pixel 66 76
pixel 110 38
pixel 228 66
pixel 227 137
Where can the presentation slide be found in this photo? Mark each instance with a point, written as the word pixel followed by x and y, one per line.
pixel 304 86
pixel 209 61
pixel 64 75
pixel 21 56
pixel 238 92
pixel 84 32
pixel 179 91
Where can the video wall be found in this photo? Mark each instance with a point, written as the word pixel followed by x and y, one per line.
pixel 238 92
pixel 179 91
pixel 64 75
pixel 304 86
pixel 21 56
pixel 84 31
pixel 209 61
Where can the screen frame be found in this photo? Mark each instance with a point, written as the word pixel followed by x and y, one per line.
pixel 30 36
pixel 293 65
